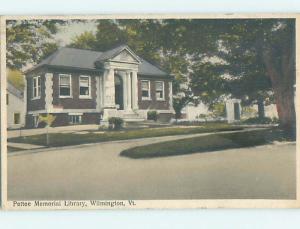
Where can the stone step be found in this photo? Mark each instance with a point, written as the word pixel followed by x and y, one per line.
pixel 130 116
pixel 133 119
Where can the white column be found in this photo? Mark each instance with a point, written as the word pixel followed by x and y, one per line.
pixel 128 76
pixel 109 88
pixel 98 93
pixel 49 92
pixel 170 96
pixel 124 79
pixel 134 90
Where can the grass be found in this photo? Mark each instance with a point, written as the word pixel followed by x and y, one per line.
pixel 66 139
pixel 204 144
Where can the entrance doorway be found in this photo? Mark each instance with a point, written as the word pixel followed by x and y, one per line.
pixel 119 92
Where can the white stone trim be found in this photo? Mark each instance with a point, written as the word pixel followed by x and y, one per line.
pixel 230 109
pixel 165 111
pixel 137 60
pixel 98 93
pixel 129 95
pixel 36 112
pixel 124 79
pixel 158 111
pixel 57 111
pixel 48 91
pixel 135 90
pixel 121 66
pixel 75 113
pixel 171 95
pixel 109 88
pixel 102 90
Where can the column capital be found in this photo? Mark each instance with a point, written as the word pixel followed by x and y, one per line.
pixel 107 68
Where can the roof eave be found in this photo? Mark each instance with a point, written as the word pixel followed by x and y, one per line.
pixel 63 67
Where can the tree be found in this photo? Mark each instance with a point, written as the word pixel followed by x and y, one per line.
pixel 258 57
pixel 48 119
pixel 262 56
pixel 29 41
pixel 16 78
pixel 165 43
pixel 86 40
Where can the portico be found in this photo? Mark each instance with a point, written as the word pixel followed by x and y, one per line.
pixel 120 88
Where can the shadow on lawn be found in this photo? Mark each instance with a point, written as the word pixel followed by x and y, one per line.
pixel 207 143
pixel 67 139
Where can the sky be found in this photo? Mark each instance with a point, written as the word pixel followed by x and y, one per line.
pixel 68 32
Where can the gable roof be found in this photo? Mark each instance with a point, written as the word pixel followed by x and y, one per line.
pixel 86 59
pixel 115 51
pixel 15 91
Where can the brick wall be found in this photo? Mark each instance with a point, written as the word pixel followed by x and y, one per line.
pixel 75 102
pixel 35 104
pixel 153 103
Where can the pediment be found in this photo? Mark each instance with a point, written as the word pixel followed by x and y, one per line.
pixel 126 56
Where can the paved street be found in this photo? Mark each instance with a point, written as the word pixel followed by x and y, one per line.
pixel 98 172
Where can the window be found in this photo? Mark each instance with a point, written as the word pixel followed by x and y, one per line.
pixel 84 87
pixel 36 87
pixel 74 119
pixel 145 89
pixel 159 90
pixel 7 99
pixel 64 85
pixel 17 118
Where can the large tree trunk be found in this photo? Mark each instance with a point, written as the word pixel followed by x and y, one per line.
pixel 286 109
pixel 283 87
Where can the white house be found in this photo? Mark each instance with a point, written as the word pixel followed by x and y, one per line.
pixel 16 107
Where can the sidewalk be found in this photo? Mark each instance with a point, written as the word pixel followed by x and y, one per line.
pixel 60 129
pixel 24 146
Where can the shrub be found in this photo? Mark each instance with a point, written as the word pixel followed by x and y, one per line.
pixel 218 110
pixel 257 120
pixel 152 115
pixel 275 120
pixel 115 123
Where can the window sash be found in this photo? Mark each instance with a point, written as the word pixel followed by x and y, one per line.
pixel 64 85
pixel 17 118
pixel 36 87
pixel 145 86
pixel 84 86
pixel 75 119
pixel 159 89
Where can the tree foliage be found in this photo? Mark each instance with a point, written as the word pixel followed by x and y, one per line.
pixel 29 41
pixel 16 78
pixel 251 59
pixel 261 57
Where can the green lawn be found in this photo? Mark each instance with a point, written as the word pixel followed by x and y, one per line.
pixel 204 144
pixel 66 139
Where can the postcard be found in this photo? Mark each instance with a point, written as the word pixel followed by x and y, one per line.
pixel 149 111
